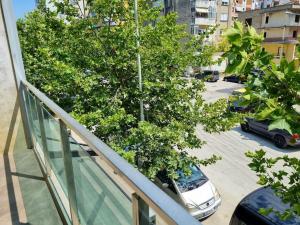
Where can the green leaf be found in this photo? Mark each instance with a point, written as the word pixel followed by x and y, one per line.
pixel 279 75
pixel 265 113
pixel 296 206
pixel 247 97
pixel 265 212
pixel 281 124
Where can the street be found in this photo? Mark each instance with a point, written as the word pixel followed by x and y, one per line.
pixel 232 177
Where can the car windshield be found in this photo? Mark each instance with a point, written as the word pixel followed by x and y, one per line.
pixel 210 72
pixel 195 180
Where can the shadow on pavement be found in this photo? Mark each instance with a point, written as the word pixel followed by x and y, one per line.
pixel 264 142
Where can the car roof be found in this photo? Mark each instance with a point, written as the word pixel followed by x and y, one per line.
pixel 239 91
pixel 211 71
pixel 266 198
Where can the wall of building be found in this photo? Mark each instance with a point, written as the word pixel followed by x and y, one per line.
pixel 281 31
pixel 275 32
pixel 184 11
pixel 9 110
pixel 284 50
pixel 255 15
pixel 276 19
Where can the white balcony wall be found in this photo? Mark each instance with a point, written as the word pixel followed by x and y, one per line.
pixel 204 3
pixel 205 21
pixel 239 8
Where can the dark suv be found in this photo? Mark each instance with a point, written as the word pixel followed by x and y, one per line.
pixel 247 212
pixel 281 138
pixel 208 75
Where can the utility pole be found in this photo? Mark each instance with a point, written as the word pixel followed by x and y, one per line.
pixel 139 66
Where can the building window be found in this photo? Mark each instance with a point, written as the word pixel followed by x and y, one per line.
pixel 295 34
pixel 192 30
pixel 212 12
pixel 267 20
pixel 248 21
pixel 225 2
pixel 297 18
pixel 265 34
pixel 202 15
pixel 224 17
pixel 280 52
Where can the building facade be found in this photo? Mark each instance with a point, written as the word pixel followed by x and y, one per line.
pixel 280 26
pixel 199 15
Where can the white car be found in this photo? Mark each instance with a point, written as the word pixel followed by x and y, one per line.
pixel 196 193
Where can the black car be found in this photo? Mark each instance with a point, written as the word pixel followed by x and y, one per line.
pixel 235 106
pixel 247 211
pixel 281 138
pixel 208 75
pixel 235 79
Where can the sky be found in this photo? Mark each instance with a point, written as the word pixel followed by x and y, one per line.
pixel 21 7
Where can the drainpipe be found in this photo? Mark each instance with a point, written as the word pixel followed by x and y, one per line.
pixel 283 37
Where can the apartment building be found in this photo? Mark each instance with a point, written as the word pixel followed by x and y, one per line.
pixel 261 4
pixel 225 15
pixel 199 15
pixel 280 26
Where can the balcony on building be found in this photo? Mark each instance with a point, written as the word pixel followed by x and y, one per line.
pixel 53 170
pixel 239 7
pixel 281 40
pixel 204 3
pixel 205 16
pixel 205 21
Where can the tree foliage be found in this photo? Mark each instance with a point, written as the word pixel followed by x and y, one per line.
pixel 284 181
pixel 273 88
pixel 86 62
pixel 274 91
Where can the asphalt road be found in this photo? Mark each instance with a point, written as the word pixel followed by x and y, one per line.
pixel 231 175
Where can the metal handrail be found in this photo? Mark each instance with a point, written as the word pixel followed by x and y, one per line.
pixel 160 202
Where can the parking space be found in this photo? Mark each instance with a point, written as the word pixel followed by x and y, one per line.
pixel 231 175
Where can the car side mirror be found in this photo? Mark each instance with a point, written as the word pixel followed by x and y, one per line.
pixel 165 185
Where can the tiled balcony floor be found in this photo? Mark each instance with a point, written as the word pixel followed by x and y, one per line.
pixel 24 195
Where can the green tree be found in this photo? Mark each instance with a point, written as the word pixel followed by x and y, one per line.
pixel 274 91
pixel 87 64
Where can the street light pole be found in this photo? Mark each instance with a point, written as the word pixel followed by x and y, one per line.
pixel 139 66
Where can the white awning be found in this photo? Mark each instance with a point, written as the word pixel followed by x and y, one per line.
pixel 202 10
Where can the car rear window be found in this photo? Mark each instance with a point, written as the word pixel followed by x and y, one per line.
pixel 265 198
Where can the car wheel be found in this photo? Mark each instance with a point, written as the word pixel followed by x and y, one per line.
pixel 280 141
pixel 245 127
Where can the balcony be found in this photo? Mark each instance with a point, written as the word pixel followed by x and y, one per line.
pixel 281 40
pixel 239 7
pixel 205 21
pixel 54 171
pixel 204 3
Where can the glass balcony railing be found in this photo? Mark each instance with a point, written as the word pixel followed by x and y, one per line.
pixel 91 183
